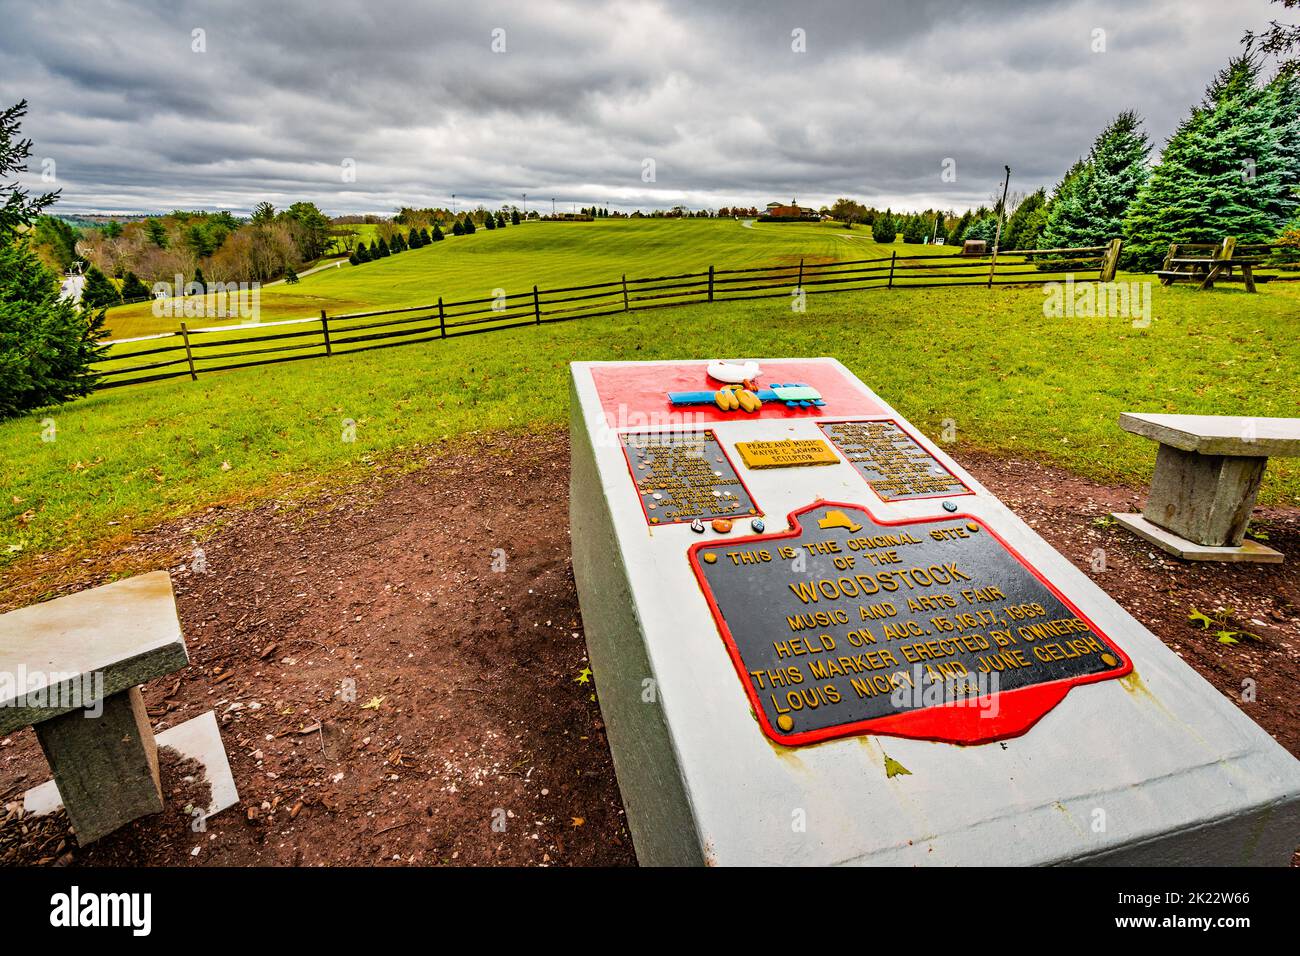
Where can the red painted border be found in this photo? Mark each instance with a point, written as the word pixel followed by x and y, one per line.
pixel 695 428
pixel 899 425
pixel 1018 710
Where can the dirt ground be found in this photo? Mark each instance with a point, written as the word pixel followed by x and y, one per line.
pixel 400 675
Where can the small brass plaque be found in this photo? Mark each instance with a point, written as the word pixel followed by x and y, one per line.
pixel 786 453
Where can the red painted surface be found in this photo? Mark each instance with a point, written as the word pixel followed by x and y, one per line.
pixel 636 395
pixel 958 723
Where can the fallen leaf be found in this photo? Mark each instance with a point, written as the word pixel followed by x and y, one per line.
pixel 373 703
pixel 893 768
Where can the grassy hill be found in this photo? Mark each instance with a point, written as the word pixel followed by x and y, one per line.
pixel 1012 379
pixel 542 253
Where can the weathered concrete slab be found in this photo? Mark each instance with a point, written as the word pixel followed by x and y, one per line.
pixel 198 738
pixel 1218 434
pixel 105 766
pixel 67 653
pixel 1155 766
pixel 1207 499
pixel 1247 551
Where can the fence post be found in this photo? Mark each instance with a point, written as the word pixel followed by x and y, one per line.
pixel 1110 262
pixel 893 257
pixel 537 306
pixel 626 306
pixel 710 283
pixel 993 264
pixel 325 330
pixel 442 320
pixel 189 356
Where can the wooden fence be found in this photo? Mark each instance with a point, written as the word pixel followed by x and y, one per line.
pixel 224 348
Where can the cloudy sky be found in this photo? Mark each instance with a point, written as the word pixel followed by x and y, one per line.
pixel 365 107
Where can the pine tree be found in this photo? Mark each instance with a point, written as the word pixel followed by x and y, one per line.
pixel 98 292
pixel 133 288
pixel 354 259
pixel 489 221
pixel 362 252
pixel 1026 223
pixel 413 240
pixel 457 228
pixel 157 233
pixel 957 234
pixel 469 225
pixel 47 345
pixel 501 220
pixel 514 217
pixel 1228 170
pixel 436 235
pixel 200 280
pixel 381 248
pixel 1089 205
pixel 915 230
pixel 884 228
pixel 290 276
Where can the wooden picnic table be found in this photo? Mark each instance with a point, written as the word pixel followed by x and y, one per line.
pixel 1207 270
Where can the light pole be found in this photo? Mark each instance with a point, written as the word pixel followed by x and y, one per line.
pixel 552 207
pixel 1002 210
pixel 454 210
pixel 525 195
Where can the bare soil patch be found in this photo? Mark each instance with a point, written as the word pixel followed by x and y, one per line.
pixel 400 675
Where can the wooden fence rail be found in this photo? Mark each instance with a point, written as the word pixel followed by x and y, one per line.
pixel 192 352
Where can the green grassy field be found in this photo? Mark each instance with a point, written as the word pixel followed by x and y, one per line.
pixel 1012 379
pixel 546 254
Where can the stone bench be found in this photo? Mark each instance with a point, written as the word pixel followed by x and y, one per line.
pixel 72 669
pixel 1208 471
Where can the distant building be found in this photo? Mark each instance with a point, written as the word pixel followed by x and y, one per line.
pixel 780 212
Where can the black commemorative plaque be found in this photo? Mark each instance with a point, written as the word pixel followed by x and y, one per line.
pixel 684 475
pixel 847 621
pixel 892 462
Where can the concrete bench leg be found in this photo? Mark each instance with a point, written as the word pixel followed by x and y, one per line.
pixel 1206 499
pixel 106 767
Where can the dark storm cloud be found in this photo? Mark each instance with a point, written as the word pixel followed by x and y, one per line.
pixel 286 94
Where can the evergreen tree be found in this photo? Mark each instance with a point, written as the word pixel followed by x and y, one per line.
pixel 98 292
pixel 435 236
pixel 47 345
pixel 915 230
pixel 457 229
pixel 362 252
pixel 290 277
pixel 957 234
pixel 381 248
pixel 354 259
pixel 514 217
pixel 200 280
pixel 501 220
pixel 1026 223
pixel 1229 169
pixel 1089 205
pixel 489 221
pixel 984 228
pixel 157 233
pixel 374 250
pixel 133 288
pixel 885 228
pixel 469 225
pixel 413 239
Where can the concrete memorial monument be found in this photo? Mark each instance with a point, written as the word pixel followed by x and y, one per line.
pixel 816 639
